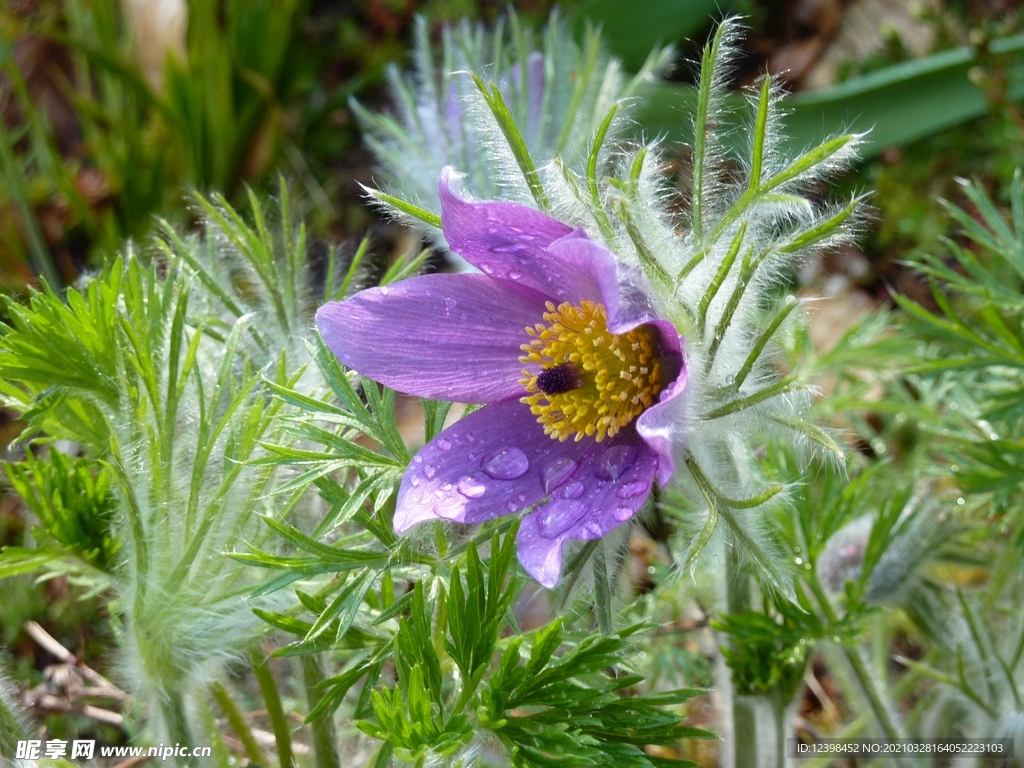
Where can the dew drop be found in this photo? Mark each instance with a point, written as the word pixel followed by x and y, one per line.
pixel 622 514
pixel 415 481
pixel 507 464
pixel 614 462
pixel 573 490
pixel 555 473
pixel 430 470
pixel 630 490
pixel 424 500
pixel 472 486
pixel 444 444
pixel 418 459
pixel 385 291
pixel 730 379
pixel 469 437
pixel 513 507
pixel 593 529
pixel 515 275
pixel 451 303
pixel 560 515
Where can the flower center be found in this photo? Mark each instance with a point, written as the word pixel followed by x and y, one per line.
pixel 592 382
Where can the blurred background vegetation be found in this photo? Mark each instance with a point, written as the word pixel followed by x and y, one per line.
pixel 112 110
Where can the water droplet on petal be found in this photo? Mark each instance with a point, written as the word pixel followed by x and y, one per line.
pixel 559 516
pixel 593 529
pixel 444 444
pixel 614 462
pixel 385 291
pixel 622 514
pixel 418 459
pixel 469 437
pixel 451 303
pixel 430 470
pixel 513 507
pixel 472 486
pixel 629 490
pixel 515 275
pixel 507 464
pixel 415 481
pixel 557 472
pixel 573 490
pixel 463 316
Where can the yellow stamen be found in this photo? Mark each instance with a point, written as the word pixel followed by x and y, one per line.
pixel 619 375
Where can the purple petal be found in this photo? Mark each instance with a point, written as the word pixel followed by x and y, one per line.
pixel 450 337
pixel 494 462
pixel 613 481
pixel 663 426
pixel 511 241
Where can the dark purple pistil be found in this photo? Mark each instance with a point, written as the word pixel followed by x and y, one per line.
pixel 559 379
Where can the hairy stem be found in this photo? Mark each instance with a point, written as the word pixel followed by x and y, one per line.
pixel 238 724
pixel 603 593
pixel 883 713
pixel 275 713
pixel 325 740
pixel 172 707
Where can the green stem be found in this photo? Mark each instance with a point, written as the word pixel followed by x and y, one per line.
pixel 749 401
pixel 507 125
pixel 746 734
pixel 761 343
pixel 592 186
pixel 603 592
pixel 707 76
pixel 325 740
pixel 221 754
pixel 238 724
pixel 881 710
pixel 172 707
pixel 275 713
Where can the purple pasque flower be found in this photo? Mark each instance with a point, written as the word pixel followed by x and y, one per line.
pixel 581 380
